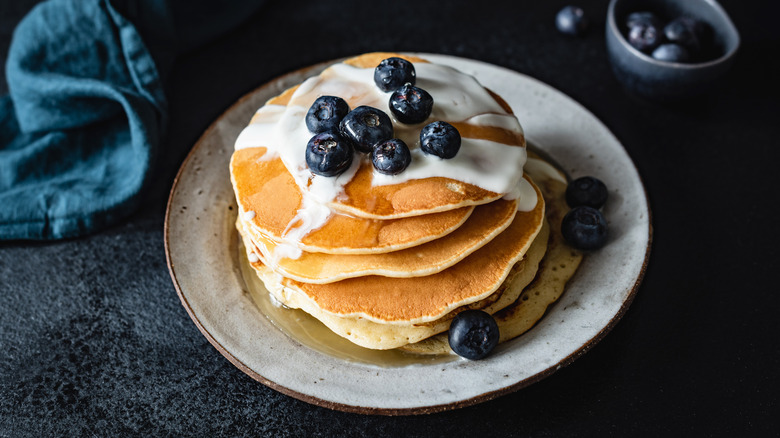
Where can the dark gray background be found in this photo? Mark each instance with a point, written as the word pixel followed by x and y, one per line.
pixel 94 341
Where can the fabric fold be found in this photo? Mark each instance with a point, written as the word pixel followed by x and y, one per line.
pixel 81 129
pixel 87 112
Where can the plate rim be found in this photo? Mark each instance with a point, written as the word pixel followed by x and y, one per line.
pixel 351 408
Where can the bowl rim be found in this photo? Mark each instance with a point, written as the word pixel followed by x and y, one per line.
pixel 613 28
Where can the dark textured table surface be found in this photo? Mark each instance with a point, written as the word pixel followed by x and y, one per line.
pixel 94 340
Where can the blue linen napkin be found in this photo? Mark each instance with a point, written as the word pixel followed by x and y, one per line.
pixel 87 110
pixel 81 128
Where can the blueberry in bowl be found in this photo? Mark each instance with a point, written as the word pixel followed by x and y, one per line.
pixel 645 31
pixel 671 53
pixel 705 44
pixel 643 19
pixel 689 33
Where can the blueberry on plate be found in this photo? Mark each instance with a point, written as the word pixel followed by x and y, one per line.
pixel 440 139
pixel 328 154
pixel 392 73
pixel 366 126
pixel 586 190
pixel 391 157
pixel 584 228
pixel 571 20
pixel 473 334
pixel 326 113
pixel 411 104
pixel 645 36
pixel 671 53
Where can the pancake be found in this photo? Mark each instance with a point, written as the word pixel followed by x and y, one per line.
pixel 276 203
pixel 517 306
pixel 527 303
pixel 483 225
pixel 386 261
pixel 380 336
pixel 422 299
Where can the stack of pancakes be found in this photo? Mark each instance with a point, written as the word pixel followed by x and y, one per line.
pixel 391 265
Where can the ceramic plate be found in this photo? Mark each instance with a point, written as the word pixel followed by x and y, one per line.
pixel 203 260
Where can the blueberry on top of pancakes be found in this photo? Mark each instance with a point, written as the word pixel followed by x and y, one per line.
pixel 326 113
pixel 410 104
pixel 328 154
pixel 366 126
pixel 393 72
pixel 440 139
pixel 391 157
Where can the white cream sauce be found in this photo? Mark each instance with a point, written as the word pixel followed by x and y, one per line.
pixel 457 97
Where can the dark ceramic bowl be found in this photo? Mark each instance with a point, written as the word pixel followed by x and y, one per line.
pixel 670 81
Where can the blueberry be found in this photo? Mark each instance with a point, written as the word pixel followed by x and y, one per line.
pixel 681 31
pixel 391 157
pixel 392 73
pixel 571 20
pixel 584 228
pixel 410 104
pixel 440 139
pixel 326 113
pixel 586 190
pixel 671 53
pixel 645 36
pixel 642 19
pixel 328 154
pixel 473 334
pixel 366 126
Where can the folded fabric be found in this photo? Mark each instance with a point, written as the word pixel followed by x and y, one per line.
pixel 81 128
pixel 87 111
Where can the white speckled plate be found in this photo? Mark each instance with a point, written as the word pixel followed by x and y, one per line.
pixel 202 257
